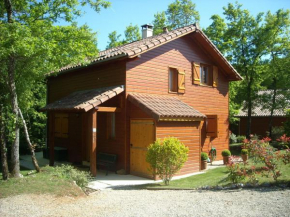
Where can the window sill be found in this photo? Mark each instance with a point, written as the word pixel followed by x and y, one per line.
pixel 205 85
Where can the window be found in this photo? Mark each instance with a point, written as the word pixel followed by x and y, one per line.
pixel 61 125
pixel 111 125
pixel 204 74
pixel 176 80
pixel 173 80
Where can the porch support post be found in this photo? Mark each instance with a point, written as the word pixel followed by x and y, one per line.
pixel 93 145
pixel 51 139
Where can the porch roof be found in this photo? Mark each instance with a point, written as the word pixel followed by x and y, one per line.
pixel 165 108
pixel 85 100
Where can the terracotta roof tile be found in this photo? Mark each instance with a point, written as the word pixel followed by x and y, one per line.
pixel 164 107
pixel 85 100
pixel 260 110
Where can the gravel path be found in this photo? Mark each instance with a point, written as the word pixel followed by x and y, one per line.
pixel 256 202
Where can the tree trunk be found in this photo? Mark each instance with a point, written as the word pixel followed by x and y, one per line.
pixel 249 120
pixel 30 146
pixel 15 167
pixel 3 150
pixel 273 106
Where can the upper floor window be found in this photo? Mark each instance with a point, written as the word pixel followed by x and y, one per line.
pixel 204 74
pixel 176 80
pixel 173 79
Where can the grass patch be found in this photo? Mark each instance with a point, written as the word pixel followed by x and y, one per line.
pixel 218 176
pixel 45 182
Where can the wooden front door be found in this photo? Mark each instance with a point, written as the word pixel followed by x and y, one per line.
pixel 142 134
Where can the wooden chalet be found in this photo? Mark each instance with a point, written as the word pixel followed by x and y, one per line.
pixel 173 84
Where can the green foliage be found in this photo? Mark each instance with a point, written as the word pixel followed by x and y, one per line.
pixel 226 153
pixel 287 123
pixel 131 34
pixel 31 45
pixel 166 157
pixel 241 138
pixel 244 151
pixel 204 156
pixel 179 13
pixel 252 45
pixel 70 173
pixel 233 138
pixel 159 22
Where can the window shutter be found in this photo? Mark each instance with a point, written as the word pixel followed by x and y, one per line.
pixel 61 125
pixel 195 73
pixel 215 76
pixel 212 126
pixel 181 81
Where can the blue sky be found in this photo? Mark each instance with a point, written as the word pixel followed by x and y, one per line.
pixel 123 12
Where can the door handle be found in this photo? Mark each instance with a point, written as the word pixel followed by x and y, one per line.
pixel 131 145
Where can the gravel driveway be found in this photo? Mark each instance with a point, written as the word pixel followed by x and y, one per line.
pixel 255 202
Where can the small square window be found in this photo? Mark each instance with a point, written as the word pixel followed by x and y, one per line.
pixel 173 80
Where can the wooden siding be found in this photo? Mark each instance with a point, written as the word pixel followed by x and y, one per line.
pixel 149 74
pixel 259 125
pixel 92 77
pixel 188 134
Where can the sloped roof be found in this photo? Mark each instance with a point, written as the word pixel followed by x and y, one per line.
pixel 260 110
pixel 85 100
pixel 136 48
pixel 164 107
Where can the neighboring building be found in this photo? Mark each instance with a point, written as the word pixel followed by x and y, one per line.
pixel 173 84
pixel 261 114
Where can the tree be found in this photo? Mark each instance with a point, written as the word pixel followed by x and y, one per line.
pixel 131 34
pixel 278 72
pixel 179 13
pixel 114 40
pixel 244 40
pixel 30 46
pixel 159 23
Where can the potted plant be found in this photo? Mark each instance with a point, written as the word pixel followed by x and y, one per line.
pixel 226 155
pixel 204 157
pixel 244 154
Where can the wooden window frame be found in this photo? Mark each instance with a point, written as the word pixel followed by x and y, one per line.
pixel 212 74
pixel 180 80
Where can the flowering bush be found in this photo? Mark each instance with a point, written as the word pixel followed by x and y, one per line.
pixel 261 151
pixel 286 156
pixel 237 171
pixel 284 142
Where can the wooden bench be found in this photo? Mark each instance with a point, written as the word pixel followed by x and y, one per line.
pixel 108 161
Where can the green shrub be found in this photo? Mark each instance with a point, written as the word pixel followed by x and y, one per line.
pixel 241 138
pixel 69 172
pixel 226 153
pixel 166 158
pixel 204 156
pixel 244 151
pixel 277 132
